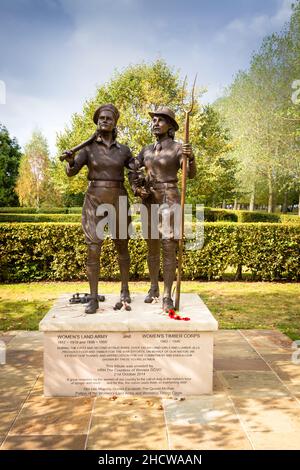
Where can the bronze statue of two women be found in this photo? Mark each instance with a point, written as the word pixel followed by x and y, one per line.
pixel 106 160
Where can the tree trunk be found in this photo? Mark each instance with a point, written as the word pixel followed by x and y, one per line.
pixel 239 273
pixel 271 195
pixel 284 205
pixel 299 206
pixel 235 205
pixel 252 199
pixel 224 205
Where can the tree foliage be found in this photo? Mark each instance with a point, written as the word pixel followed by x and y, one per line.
pixel 34 186
pixel 135 91
pixel 263 119
pixel 10 155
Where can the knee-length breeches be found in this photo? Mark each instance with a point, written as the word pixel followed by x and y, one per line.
pixel 163 214
pixel 102 205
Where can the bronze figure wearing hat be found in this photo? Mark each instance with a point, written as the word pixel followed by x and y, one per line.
pixel 162 161
pixel 106 160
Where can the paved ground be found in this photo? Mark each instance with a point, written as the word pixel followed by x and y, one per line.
pixel 255 405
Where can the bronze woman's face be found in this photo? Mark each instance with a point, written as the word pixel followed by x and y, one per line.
pixel 160 125
pixel 106 121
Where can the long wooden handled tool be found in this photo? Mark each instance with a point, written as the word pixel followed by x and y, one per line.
pixel 187 112
pixel 73 150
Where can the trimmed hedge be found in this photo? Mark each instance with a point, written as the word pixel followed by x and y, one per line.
pixel 57 252
pixel 249 216
pixel 29 214
pixel 37 218
pixel 34 210
pixel 216 215
pixel 210 215
pixel 290 219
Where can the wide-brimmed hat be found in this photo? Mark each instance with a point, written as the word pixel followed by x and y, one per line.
pixel 165 111
pixel 108 107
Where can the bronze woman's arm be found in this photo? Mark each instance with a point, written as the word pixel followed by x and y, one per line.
pixel 192 167
pixel 74 165
pixel 191 161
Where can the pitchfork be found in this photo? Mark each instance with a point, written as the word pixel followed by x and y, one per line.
pixel 187 111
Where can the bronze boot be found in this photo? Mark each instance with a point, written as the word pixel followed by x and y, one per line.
pixel 167 304
pixel 92 305
pixel 153 293
pixel 125 295
pixel 153 261
pixel 93 268
pixel 169 272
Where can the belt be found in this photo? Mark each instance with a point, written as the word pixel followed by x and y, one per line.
pixel 162 185
pixel 106 184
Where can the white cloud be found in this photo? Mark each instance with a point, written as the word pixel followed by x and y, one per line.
pixel 105 35
pixel 258 26
pixel 24 113
pixel 69 74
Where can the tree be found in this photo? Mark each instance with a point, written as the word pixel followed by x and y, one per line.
pixel 217 169
pixel 262 118
pixel 135 91
pixel 10 155
pixel 34 186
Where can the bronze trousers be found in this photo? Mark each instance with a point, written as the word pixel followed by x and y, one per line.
pixel 162 202
pixel 95 197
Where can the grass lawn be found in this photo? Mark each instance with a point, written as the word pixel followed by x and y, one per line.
pixel 243 305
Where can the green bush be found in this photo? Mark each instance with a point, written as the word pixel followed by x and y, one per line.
pixel 210 215
pixel 46 210
pixel 37 218
pixel 216 215
pixel 253 216
pixel 57 252
pixel 74 210
pixel 290 219
pixel 269 251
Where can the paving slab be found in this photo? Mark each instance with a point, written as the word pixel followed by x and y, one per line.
pixel 218 385
pixel 238 363
pixel 287 371
pixel 6 420
pixel 39 442
pixel 276 415
pixel 128 423
pixel 24 358
pixel 16 382
pixel 253 383
pixel 38 388
pixel 27 340
pixel 10 403
pixel 6 337
pixel 275 440
pixel 268 341
pixel 204 423
pixel 224 337
pixel 255 404
pixel 55 416
pixel 238 348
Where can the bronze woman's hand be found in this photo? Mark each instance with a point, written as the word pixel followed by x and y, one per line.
pixel 142 192
pixel 68 156
pixel 187 151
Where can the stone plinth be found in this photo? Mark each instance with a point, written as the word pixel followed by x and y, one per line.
pixel 140 352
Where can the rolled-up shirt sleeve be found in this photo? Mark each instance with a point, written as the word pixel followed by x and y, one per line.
pixel 130 162
pixel 80 160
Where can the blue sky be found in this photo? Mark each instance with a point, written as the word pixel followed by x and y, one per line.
pixel 53 53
